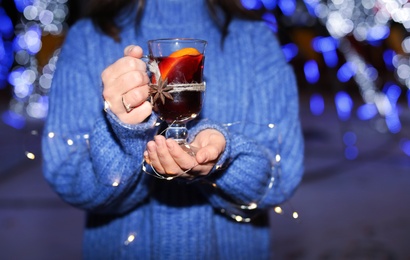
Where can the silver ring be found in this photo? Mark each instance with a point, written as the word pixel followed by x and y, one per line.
pixel 127 107
pixel 107 106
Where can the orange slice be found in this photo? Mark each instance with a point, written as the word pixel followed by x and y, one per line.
pixel 184 61
pixel 184 51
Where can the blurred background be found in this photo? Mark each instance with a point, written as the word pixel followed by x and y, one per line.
pixel 352 61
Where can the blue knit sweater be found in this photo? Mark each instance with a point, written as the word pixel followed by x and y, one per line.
pixel 94 162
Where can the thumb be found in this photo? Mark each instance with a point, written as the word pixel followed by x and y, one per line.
pixel 206 154
pixel 133 51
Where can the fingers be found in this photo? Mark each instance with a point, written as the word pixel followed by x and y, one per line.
pixel 123 67
pixel 168 158
pixel 127 72
pixel 137 115
pixel 134 98
pixel 181 157
pixel 133 85
pixel 125 82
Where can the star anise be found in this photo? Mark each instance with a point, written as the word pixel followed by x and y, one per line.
pixel 160 91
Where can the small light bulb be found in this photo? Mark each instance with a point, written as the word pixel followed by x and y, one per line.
pixel 31 156
pixel 278 210
pixel 238 218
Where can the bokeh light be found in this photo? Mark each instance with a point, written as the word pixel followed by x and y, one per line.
pixel 317 104
pixel 344 105
pixel 30 82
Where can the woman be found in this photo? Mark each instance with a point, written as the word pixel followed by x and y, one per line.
pixel 93 153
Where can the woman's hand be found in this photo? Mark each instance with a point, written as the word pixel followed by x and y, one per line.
pixel 167 157
pixel 126 87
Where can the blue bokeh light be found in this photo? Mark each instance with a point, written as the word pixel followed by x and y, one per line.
pixel 269 4
pixel 344 105
pixel 290 51
pixel 388 56
pixel 324 44
pixel 287 7
pixel 366 111
pixel 311 6
pixel 408 98
pixel 378 33
pixel 270 20
pixel 2 50
pixel 6 26
pixel 7 58
pixel 405 146
pixel 6 50
pixel 393 121
pixel 21 4
pixel 252 4
pixel 331 58
pixel 392 92
pixel 14 76
pixel 317 104
pixel 349 138
pixel 351 152
pixel 327 46
pixel 346 71
pixel 30 40
pixel 13 119
pixel 311 70
pixel 3 76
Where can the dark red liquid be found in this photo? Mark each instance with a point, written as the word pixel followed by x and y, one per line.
pixel 180 70
pixel 186 105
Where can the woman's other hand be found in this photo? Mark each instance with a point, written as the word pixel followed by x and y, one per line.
pixel 167 157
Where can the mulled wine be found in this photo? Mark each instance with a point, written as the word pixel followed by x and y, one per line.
pixel 180 72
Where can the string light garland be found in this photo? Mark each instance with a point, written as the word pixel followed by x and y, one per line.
pixel 237 211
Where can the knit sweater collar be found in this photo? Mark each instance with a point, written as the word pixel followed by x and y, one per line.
pixel 170 13
pixel 176 12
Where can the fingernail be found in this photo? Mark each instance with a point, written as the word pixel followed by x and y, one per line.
pixel 204 158
pixel 150 148
pixel 170 145
pixel 129 49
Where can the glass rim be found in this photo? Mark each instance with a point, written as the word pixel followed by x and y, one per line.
pixel 165 40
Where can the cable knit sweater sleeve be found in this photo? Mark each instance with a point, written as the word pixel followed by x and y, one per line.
pixel 90 160
pixel 263 162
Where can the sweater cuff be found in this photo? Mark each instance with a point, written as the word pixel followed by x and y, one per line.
pixel 130 135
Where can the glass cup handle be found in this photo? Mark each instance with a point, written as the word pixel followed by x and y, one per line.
pixel 146 59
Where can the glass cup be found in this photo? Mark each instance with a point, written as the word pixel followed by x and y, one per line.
pixel 177 86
